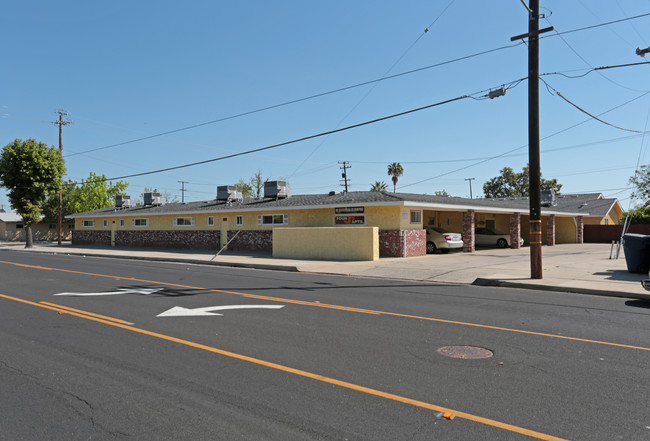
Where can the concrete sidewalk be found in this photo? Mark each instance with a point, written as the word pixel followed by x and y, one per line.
pixel 574 268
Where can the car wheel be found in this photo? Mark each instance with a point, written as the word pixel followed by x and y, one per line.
pixel 431 248
pixel 502 243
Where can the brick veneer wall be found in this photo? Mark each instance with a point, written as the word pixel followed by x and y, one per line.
pixel 416 243
pixel 251 240
pixel 392 243
pixel 91 237
pixel 209 240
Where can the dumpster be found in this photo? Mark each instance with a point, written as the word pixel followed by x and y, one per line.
pixel 637 252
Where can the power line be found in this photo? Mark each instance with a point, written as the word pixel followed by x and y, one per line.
pixel 597 25
pixel 525 145
pixel 548 86
pixel 286 103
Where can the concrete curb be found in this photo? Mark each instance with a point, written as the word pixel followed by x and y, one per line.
pixel 480 281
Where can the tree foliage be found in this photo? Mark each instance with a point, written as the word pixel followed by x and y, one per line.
pixel 641 183
pixel 441 193
pixel 639 216
pixel 245 188
pixel 257 183
pixel 395 170
pixel 379 186
pixel 512 184
pixel 88 195
pixel 30 170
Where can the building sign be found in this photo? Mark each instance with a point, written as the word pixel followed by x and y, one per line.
pixel 350 220
pixel 349 210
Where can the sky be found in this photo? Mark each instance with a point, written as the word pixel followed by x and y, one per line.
pixel 206 70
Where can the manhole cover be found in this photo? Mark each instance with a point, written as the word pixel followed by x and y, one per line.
pixel 465 352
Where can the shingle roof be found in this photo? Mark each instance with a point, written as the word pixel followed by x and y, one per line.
pixel 584 204
pixel 10 217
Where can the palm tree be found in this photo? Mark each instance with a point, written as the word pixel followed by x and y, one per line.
pixel 395 170
pixel 378 186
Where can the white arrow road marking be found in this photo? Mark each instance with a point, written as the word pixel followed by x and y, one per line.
pixel 179 311
pixel 143 291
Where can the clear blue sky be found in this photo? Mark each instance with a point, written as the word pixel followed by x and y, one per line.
pixel 125 70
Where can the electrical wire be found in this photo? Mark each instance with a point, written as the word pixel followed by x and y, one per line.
pixel 548 86
pixel 525 145
pixel 595 26
pixel 286 103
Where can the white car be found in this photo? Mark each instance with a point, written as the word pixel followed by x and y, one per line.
pixel 439 239
pixel 492 237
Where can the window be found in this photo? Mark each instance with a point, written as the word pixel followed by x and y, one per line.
pixel 606 221
pixel 105 223
pixel 273 219
pixel 121 222
pixel 184 221
pixel 416 217
pixel 210 220
pixel 239 220
pixel 19 226
pixel 88 223
pixel 141 222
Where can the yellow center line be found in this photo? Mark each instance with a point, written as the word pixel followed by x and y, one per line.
pixel 344 308
pixel 87 313
pixel 344 384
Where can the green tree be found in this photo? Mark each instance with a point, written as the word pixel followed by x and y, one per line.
pixel 512 184
pixel 31 171
pixel 257 183
pixel 641 183
pixel 441 193
pixel 88 195
pixel 245 188
pixel 395 170
pixel 639 216
pixel 379 186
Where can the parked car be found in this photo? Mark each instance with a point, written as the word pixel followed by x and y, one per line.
pixel 492 237
pixel 443 240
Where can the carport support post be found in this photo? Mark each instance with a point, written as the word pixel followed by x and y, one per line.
pixel 550 230
pixel 468 231
pixel 515 230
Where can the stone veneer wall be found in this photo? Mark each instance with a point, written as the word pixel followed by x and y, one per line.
pixel 251 240
pixel 391 243
pixel 550 230
pixel 168 239
pixel 515 230
pixel 91 237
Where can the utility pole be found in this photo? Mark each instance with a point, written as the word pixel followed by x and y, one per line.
pixel 533 137
pixel 470 186
pixel 344 175
pixel 61 122
pixel 183 190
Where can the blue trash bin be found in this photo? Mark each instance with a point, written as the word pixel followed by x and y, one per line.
pixel 637 252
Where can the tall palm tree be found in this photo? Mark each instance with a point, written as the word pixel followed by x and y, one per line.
pixel 378 186
pixel 395 170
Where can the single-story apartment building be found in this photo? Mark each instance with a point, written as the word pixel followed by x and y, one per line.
pixel 12 229
pixel 397 221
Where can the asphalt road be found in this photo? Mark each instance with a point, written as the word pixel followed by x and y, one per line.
pixel 311 357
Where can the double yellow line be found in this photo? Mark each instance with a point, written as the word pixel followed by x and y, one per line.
pixel 128 326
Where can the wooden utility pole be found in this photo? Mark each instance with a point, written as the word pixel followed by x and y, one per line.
pixel 533 137
pixel 470 186
pixel 183 190
pixel 61 122
pixel 344 175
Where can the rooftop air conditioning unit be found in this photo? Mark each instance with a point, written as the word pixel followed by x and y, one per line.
pixel 548 198
pixel 122 201
pixel 275 189
pixel 227 193
pixel 153 199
